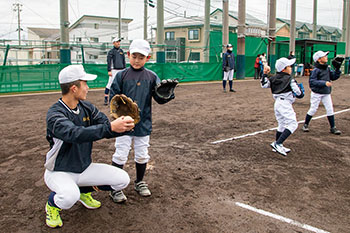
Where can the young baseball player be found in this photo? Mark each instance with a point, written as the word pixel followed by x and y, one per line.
pixel 139 84
pixel 228 66
pixel 115 64
pixel 321 88
pixel 284 90
pixel 72 126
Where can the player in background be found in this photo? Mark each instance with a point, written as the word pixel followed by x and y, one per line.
pixel 284 90
pixel 72 126
pixel 115 64
pixel 321 88
pixel 228 66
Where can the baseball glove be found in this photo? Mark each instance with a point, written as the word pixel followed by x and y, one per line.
pixel 337 62
pixel 121 105
pixel 165 89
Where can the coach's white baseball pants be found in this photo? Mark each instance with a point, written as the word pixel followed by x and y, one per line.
pixel 123 146
pixel 66 184
pixel 285 115
pixel 111 78
pixel 315 100
pixel 228 75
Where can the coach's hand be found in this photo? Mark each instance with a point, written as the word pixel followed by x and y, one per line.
pixel 328 84
pixel 110 73
pixel 122 124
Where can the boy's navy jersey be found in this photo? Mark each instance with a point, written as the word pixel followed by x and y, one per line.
pixel 139 85
pixel 71 134
pixel 319 76
pixel 115 59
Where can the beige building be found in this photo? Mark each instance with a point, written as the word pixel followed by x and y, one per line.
pixel 304 30
pixel 184 37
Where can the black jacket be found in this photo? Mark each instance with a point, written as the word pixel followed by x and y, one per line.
pixel 115 59
pixel 319 76
pixel 71 133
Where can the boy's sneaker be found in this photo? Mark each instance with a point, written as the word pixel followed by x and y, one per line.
pixel 231 90
pixel 106 102
pixel 53 218
pixel 142 188
pixel 87 200
pixel 287 150
pixel 335 131
pixel 305 128
pixel 279 148
pixel 118 196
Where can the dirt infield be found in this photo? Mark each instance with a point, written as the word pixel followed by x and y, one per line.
pixel 195 183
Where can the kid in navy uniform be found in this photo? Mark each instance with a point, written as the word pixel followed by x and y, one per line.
pixel 284 90
pixel 139 84
pixel 72 126
pixel 321 88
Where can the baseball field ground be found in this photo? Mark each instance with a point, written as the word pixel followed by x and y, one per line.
pixel 203 176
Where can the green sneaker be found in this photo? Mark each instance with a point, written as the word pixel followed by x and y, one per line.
pixel 87 200
pixel 53 218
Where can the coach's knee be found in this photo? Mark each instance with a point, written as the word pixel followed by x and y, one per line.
pixel 67 199
pixel 122 180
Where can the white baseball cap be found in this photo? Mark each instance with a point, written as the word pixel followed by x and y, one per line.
pixel 116 39
pixel 140 46
pixel 283 63
pixel 229 45
pixel 73 73
pixel 319 54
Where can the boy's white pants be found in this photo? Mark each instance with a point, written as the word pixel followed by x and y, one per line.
pixel 228 75
pixel 285 115
pixel 315 100
pixel 123 146
pixel 66 184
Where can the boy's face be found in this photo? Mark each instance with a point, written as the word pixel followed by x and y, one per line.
pixel 116 44
pixel 287 70
pixel 138 60
pixel 80 93
pixel 323 60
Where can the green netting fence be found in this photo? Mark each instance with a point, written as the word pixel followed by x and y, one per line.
pixel 45 77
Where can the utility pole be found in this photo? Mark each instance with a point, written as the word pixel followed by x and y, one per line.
pixel 314 24
pixel 64 50
pixel 206 30
pixel 292 28
pixel 241 40
pixel 272 35
pixel 145 19
pixel 225 26
pixel 17 7
pixel 347 48
pixel 345 7
pixel 120 20
pixel 160 31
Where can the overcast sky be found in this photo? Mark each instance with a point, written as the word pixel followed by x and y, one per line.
pixel 45 13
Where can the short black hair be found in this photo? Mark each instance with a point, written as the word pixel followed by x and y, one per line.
pixel 66 86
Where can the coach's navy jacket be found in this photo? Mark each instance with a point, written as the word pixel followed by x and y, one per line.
pixel 139 85
pixel 320 75
pixel 115 59
pixel 228 60
pixel 71 133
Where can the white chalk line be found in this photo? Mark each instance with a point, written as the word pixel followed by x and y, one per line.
pixel 281 218
pixel 266 130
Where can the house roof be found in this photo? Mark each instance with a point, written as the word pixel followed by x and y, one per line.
pixel 299 24
pixel 199 21
pixel 44 32
pixel 95 17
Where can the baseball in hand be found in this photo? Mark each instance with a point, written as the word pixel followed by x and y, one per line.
pixel 127 118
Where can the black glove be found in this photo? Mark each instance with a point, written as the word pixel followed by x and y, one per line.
pixel 337 62
pixel 165 89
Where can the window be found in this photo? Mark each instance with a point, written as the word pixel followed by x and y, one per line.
pixel 322 37
pixel 193 34
pixel 96 26
pixel 195 57
pixel 79 39
pixel 303 35
pixel 334 38
pixel 170 55
pixel 93 39
pixel 170 35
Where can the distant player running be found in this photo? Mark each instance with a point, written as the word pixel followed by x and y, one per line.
pixel 284 89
